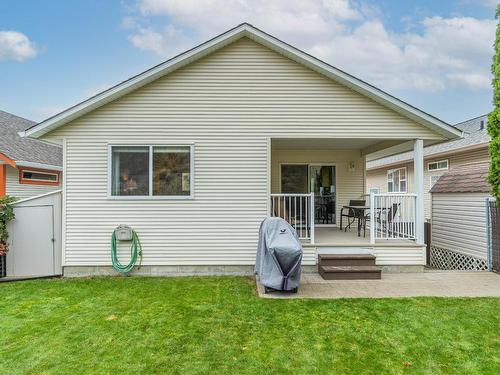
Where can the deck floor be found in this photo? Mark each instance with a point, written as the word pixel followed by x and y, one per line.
pixel 333 236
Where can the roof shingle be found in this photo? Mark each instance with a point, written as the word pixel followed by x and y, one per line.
pixel 25 149
pixel 470 178
pixel 473 135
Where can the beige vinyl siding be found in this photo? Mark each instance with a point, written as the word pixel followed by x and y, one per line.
pixel 378 177
pixel 459 223
pixel 349 185
pixel 227 105
pixel 400 255
pixel 22 191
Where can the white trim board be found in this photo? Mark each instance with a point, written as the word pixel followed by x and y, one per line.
pixel 243 30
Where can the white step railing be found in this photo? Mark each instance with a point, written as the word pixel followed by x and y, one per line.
pixel 393 216
pixel 296 209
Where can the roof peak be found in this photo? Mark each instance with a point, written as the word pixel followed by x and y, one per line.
pixel 222 40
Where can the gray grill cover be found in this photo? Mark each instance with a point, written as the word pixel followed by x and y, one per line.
pixel 279 255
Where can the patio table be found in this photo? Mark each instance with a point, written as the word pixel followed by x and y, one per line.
pixel 359 211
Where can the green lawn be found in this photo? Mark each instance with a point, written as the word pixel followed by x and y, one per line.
pixel 218 325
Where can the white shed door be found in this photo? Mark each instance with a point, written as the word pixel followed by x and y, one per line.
pixel 32 247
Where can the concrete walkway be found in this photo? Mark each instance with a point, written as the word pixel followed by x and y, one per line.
pixel 397 285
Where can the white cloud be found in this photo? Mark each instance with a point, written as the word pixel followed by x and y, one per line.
pixel 440 53
pixel 16 46
pixel 447 53
pixel 166 42
pixel 485 3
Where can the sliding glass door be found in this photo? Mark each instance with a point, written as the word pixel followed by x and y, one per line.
pixel 322 183
pixel 320 179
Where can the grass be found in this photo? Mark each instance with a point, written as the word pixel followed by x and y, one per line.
pixel 217 325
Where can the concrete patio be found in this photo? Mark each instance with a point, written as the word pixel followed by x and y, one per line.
pixel 397 285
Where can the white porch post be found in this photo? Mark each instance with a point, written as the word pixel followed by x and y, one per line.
pixel 312 218
pixel 418 173
pixel 373 225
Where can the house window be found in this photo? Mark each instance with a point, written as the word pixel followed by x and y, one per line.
pixel 433 180
pixel 396 180
pixel 38 177
pixel 374 190
pixel 438 165
pixel 151 171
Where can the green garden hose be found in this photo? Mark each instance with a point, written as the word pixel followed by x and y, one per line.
pixel 135 251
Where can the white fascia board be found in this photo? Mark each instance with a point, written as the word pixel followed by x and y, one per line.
pixel 358 85
pixel 132 84
pixel 440 127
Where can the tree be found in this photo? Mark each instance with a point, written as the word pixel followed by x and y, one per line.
pixel 494 119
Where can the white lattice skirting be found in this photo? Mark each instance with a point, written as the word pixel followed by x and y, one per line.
pixel 445 259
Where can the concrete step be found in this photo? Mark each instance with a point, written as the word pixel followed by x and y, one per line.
pixel 346 260
pixel 350 272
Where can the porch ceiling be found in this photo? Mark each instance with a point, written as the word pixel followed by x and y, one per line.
pixel 323 144
pixel 372 148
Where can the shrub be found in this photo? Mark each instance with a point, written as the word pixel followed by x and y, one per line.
pixel 6 215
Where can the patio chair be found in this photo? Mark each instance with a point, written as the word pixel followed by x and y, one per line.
pixel 351 213
pixel 384 217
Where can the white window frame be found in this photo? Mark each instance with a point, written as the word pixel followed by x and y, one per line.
pixel 437 163
pixel 399 187
pixel 431 185
pixel 151 196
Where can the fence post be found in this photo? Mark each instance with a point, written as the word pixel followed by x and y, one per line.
pixel 373 225
pixel 489 252
pixel 312 217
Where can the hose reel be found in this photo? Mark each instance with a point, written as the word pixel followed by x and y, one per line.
pixel 126 233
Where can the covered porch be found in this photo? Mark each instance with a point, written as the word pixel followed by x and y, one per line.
pixel 319 186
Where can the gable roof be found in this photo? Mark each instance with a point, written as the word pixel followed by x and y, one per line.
pixel 19 151
pixel 240 31
pixel 470 178
pixel 474 136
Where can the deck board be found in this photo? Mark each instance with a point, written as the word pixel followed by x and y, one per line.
pixel 333 236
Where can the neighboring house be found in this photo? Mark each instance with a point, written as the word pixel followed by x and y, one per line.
pixel 395 173
pixel 28 167
pixel 459 219
pixel 195 152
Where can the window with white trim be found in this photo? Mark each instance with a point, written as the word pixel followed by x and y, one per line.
pixel 438 165
pixel 433 179
pixel 396 180
pixel 151 171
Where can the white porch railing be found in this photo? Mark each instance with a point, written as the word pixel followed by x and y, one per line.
pixel 393 216
pixel 298 210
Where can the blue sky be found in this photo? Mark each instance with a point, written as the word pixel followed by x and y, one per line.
pixel 434 54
